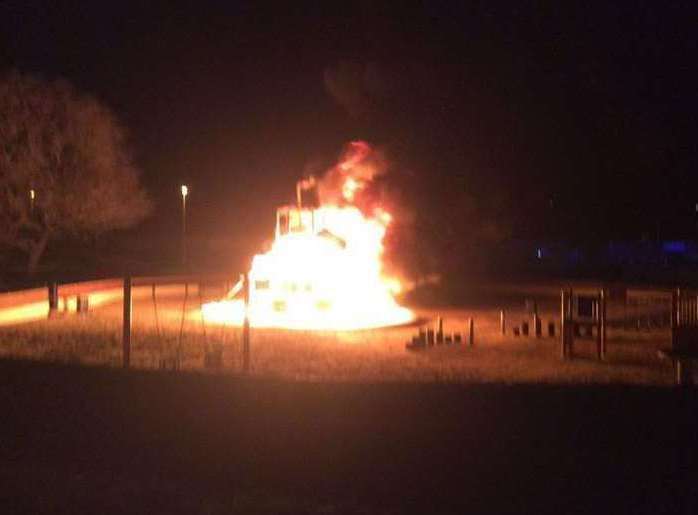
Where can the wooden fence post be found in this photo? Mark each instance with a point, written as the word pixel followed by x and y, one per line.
pixel 246 325
pixel 602 324
pixel 126 332
pixel 471 332
pixel 52 299
pixel 502 322
pixel 564 329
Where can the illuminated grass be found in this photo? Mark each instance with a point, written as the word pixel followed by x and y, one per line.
pixel 366 356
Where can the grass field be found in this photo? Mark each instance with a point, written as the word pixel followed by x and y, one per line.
pixel 161 338
pixel 93 440
pixel 337 423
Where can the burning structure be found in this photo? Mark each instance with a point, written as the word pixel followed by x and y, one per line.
pixel 324 269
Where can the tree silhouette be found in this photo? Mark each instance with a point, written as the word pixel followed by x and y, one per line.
pixel 65 168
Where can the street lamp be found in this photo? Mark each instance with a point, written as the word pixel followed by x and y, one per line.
pixel 185 192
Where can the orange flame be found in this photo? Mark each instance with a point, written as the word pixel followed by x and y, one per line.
pixel 324 270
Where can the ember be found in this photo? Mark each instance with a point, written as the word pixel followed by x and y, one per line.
pixel 324 269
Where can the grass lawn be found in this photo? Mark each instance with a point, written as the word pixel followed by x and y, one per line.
pixel 362 356
pixel 337 423
pixel 77 439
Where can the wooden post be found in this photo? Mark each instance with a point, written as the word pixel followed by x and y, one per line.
pixel 52 299
pixel 471 332
pixel 602 323
pixel 126 333
pixel 563 325
pixel 524 328
pixel 502 322
pixel 681 372
pixel 439 330
pixel 551 329
pixel 537 326
pixel 246 325
pixel 597 319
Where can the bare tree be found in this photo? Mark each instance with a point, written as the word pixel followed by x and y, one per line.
pixel 65 168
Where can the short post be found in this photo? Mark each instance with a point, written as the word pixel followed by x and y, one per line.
pixel 524 328
pixel 246 326
pixel 52 299
pixel 430 336
pixel 602 325
pixel 502 322
pixel 563 325
pixel 83 304
pixel 537 326
pixel 551 329
pixel 439 330
pixel 471 332
pixel 126 332
pixel 676 308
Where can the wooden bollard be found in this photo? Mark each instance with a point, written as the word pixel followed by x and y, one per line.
pixel 502 322
pixel 430 336
pixel 537 326
pixel 439 330
pixel 245 325
pixel 524 328
pixel 471 332
pixel 126 332
pixel 416 343
pixel 83 304
pixel 52 299
pixel 551 329
pixel 564 327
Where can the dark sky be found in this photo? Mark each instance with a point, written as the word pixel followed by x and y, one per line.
pixel 592 107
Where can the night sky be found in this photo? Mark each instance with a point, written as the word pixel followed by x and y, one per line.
pixel 576 122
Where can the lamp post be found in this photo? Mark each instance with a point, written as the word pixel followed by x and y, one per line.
pixel 185 192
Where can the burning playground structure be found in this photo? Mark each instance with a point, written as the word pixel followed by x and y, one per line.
pixel 324 270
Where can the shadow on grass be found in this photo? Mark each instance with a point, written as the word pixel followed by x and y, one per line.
pixel 96 439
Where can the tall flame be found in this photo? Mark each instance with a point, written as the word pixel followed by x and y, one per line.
pixel 324 269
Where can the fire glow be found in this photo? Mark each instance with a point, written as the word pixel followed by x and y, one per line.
pixel 324 270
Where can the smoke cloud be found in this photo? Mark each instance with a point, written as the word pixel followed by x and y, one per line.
pixel 350 180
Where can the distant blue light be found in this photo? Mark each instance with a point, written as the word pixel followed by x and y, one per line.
pixel 674 247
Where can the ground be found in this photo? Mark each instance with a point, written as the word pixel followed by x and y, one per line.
pixel 95 440
pixel 338 423
pixel 162 337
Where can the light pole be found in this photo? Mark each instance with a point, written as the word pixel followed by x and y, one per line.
pixel 185 192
